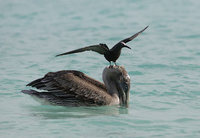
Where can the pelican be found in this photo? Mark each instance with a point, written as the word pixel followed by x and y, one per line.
pixel 109 54
pixel 74 88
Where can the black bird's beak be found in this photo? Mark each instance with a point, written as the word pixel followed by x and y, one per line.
pixel 127 46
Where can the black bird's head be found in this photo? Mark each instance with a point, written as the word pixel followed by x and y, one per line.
pixel 122 45
pixel 119 46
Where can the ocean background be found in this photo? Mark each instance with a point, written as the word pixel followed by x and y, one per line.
pixel 164 66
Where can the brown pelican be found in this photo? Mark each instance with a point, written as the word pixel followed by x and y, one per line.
pixel 110 54
pixel 74 88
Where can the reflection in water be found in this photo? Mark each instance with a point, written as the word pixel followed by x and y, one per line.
pixel 59 112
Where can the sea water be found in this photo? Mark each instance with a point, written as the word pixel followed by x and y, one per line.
pixel 164 66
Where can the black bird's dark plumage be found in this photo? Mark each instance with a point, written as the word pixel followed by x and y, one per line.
pixel 110 54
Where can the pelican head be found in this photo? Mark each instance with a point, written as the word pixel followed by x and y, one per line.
pixel 117 82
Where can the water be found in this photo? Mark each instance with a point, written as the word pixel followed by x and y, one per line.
pixel 163 65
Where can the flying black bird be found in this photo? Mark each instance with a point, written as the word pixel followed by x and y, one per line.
pixel 110 54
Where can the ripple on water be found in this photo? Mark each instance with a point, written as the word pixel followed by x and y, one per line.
pixel 185 58
pixel 184 120
pixel 193 36
pixel 153 66
pixel 135 73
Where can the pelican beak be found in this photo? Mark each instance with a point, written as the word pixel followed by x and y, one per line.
pixel 123 96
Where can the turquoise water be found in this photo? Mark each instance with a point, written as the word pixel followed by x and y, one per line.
pixel 163 64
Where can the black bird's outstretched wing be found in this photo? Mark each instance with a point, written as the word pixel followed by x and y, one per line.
pixel 101 49
pixel 133 36
pixel 70 87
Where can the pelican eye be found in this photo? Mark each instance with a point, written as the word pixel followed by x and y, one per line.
pixel 125 86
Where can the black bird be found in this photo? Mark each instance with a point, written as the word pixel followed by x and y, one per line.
pixel 110 54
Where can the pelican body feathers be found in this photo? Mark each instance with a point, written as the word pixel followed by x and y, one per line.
pixel 74 88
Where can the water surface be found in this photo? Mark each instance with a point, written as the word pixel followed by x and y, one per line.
pixel 163 65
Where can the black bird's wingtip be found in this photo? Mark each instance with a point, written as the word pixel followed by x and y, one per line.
pixel 59 55
pixel 134 36
pixel 145 28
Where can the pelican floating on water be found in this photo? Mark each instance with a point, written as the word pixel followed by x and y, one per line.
pixel 74 88
pixel 110 54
